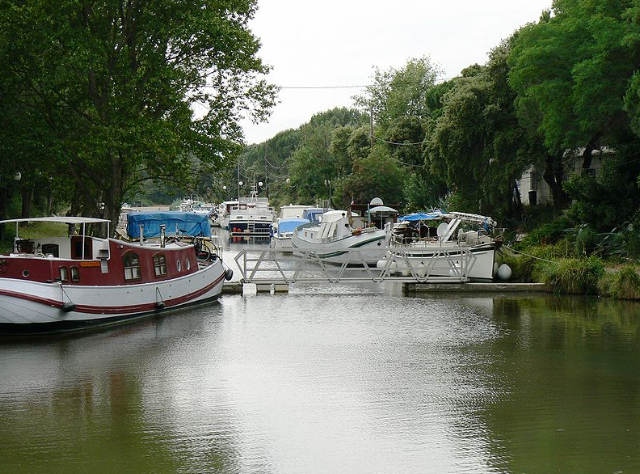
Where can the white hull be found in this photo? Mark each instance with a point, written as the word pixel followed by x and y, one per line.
pixel 48 307
pixel 446 260
pixel 355 250
pixel 283 244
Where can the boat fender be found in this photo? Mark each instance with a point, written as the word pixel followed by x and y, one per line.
pixel 228 274
pixel 69 306
pixel 160 305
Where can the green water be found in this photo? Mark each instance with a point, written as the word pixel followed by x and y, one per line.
pixel 334 380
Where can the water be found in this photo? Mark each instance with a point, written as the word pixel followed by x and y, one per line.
pixel 334 379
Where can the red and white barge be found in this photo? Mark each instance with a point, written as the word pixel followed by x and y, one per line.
pixel 78 280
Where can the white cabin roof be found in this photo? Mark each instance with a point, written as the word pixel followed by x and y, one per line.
pixel 333 216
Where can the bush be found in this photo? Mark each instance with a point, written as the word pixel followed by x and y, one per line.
pixel 523 263
pixel 621 284
pixel 547 234
pixel 571 275
pixel 521 266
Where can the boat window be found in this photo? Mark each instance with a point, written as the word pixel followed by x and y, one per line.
pixel 75 274
pixel 64 274
pixel 51 249
pixel 179 265
pixel 77 250
pixel 131 263
pixel 160 264
pixel 188 264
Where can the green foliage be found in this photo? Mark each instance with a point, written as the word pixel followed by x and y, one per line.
pixel 477 140
pixel 622 283
pixel 525 262
pixel 574 276
pixel 377 175
pixel 572 69
pixel 609 200
pixel 546 234
pixel 116 83
pixel 397 93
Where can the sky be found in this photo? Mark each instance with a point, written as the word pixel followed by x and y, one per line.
pixel 323 52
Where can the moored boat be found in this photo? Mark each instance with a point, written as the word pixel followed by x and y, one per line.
pixel 438 244
pixel 334 240
pixel 251 216
pixel 77 280
pixel 282 233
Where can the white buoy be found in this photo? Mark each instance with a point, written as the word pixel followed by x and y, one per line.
pixel 504 272
pixel 422 270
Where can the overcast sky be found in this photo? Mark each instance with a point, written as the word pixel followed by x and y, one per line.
pixel 322 51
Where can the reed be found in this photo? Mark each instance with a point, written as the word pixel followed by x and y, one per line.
pixel 623 283
pixel 571 275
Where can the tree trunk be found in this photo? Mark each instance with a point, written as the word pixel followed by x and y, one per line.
pixel 27 199
pixel 4 199
pixel 115 193
pixel 554 177
pixel 587 154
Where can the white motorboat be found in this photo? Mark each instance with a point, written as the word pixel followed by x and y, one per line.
pixel 334 240
pixel 77 280
pixel 282 233
pixel 252 216
pixel 459 246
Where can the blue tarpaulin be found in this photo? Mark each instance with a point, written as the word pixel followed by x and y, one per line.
pixel 312 215
pixel 422 216
pixel 176 223
pixel 289 225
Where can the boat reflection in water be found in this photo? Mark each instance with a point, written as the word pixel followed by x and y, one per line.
pixel 356 377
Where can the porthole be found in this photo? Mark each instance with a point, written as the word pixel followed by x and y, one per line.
pixel 188 264
pixel 179 265
pixel 25 273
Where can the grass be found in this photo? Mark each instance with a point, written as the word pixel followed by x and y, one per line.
pixel 572 275
pixel 622 283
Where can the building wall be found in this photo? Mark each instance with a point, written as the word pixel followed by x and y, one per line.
pixel 535 190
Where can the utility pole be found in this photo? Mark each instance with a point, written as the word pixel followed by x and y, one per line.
pixel 266 179
pixel 371 124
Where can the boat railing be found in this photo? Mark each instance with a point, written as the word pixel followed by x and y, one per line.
pixel 394 264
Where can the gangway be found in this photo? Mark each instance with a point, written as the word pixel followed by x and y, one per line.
pixel 273 267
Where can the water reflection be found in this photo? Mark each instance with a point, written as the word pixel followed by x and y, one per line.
pixel 354 378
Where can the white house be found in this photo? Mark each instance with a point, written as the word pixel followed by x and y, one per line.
pixel 535 190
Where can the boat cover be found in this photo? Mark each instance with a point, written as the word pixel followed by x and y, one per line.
pixel 422 216
pixel 181 223
pixel 313 215
pixel 289 225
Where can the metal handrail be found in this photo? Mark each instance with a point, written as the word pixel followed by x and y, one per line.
pixel 305 266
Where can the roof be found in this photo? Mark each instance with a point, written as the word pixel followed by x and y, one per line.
pixel 333 216
pixel 60 220
pixel 382 210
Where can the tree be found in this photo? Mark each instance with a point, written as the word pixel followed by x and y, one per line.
pixel 572 71
pixel 477 141
pixel 116 84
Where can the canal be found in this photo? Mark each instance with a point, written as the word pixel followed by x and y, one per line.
pixel 350 378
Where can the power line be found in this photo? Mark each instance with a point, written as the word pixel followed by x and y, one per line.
pixel 325 87
pixel 396 143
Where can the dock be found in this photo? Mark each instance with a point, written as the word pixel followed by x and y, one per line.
pixel 470 287
pixel 238 287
